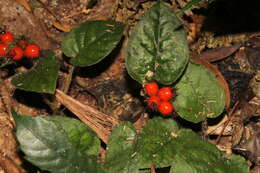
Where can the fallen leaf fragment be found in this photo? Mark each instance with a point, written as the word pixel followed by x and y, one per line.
pixel 25 4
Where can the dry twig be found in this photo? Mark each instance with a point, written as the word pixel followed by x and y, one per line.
pixel 230 115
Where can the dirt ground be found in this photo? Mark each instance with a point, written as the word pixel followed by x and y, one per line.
pixel 225 33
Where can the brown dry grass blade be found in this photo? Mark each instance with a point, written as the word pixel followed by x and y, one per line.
pixel 213 69
pixel 101 123
pixel 25 4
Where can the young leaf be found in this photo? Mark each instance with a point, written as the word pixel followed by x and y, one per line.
pixel 157 48
pixel 199 94
pixel 92 41
pixel 42 77
pixel 47 145
pixel 120 150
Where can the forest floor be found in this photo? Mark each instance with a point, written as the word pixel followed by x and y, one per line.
pixel 224 33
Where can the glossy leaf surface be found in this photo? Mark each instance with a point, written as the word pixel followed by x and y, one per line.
pixel 90 42
pixel 157 48
pixel 47 144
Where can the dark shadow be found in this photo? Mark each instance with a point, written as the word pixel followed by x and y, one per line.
pixel 186 124
pixel 163 170
pixel 232 16
pixel 30 99
pixel 133 86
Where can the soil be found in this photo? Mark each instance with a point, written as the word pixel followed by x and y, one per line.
pixel 223 33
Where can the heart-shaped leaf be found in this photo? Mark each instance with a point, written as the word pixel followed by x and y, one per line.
pixel 200 95
pixel 157 48
pixel 42 77
pixel 52 146
pixel 90 42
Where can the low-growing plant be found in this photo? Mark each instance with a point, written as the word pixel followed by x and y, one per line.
pixel 158 52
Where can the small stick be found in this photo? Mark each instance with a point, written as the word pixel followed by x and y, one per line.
pixel 229 119
pixel 204 127
pixel 68 79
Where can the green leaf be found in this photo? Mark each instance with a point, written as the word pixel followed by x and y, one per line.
pixel 120 150
pixel 92 41
pixel 80 135
pixel 236 163
pixel 156 143
pixel 48 146
pixel 162 143
pixel 42 77
pixel 194 154
pixel 199 94
pixel 157 48
pixel 201 156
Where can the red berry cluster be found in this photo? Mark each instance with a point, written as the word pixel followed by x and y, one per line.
pixel 159 98
pixel 9 48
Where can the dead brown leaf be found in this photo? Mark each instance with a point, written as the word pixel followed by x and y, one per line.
pixel 219 53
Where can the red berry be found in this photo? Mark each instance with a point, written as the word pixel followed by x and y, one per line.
pixel 151 88
pixel 165 108
pixel 165 93
pixel 153 102
pixel 16 53
pixel 32 51
pixel 7 37
pixel 3 49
